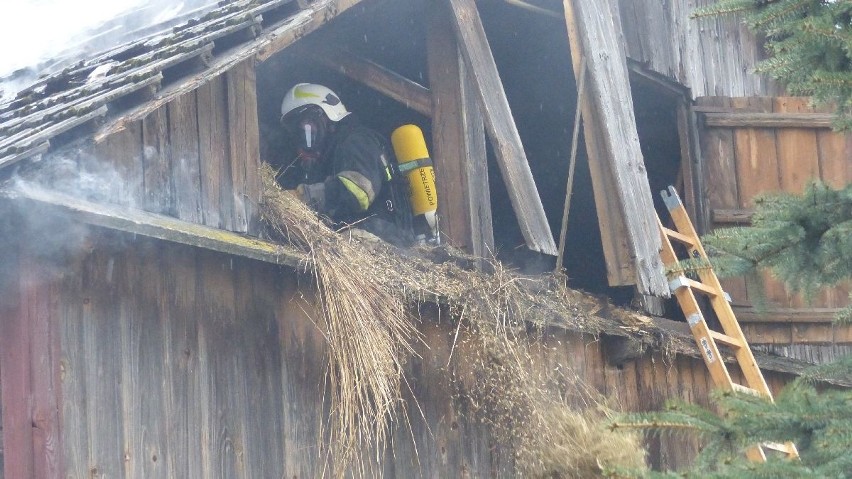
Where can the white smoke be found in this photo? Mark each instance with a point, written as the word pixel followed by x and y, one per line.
pixel 43 36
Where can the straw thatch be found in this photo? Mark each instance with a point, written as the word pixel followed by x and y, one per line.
pixel 364 287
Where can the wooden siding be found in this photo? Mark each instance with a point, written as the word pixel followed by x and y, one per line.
pixel 743 161
pixel 176 362
pixel 711 56
pixel 195 158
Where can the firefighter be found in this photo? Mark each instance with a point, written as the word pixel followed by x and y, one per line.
pixel 341 168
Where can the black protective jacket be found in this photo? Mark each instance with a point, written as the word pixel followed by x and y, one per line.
pixel 350 182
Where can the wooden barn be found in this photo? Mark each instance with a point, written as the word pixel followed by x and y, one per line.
pixel 149 328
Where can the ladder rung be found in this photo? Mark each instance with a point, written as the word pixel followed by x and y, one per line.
pixel 680 237
pixel 683 281
pixel 725 339
pixel 745 389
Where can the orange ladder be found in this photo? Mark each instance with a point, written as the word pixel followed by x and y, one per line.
pixel 685 290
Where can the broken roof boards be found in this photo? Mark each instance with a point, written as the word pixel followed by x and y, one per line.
pixel 624 201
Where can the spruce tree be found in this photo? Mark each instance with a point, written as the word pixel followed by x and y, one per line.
pixel 809 46
pixel 806 241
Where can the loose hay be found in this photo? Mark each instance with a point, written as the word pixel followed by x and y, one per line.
pixel 363 290
pixel 365 326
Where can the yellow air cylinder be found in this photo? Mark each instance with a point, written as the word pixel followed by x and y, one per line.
pixel 413 159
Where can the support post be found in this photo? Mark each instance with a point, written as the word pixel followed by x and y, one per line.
pixel 458 142
pixel 501 127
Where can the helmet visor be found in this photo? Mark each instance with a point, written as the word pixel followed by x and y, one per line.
pixel 307 129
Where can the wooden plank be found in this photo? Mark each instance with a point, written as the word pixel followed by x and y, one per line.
pixel 118 164
pixel 693 197
pixel 632 28
pixel 101 359
pixel 458 142
pixel 38 301
pixel 387 82
pixel 650 399
pixel 783 119
pixel 798 154
pixel 301 377
pixel 757 169
pixel 133 431
pixel 718 154
pixel 244 135
pixel 785 315
pixel 183 156
pixel 618 257
pixel 248 439
pixel 151 334
pixel 264 442
pixel 74 412
pixel 179 351
pixel 835 150
pixel 842 335
pixel 799 333
pixel 812 334
pixel 160 227
pixel 501 128
pixel 608 80
pixel 738 216
pixel 18 454
pixel 157 179
pixel 214 150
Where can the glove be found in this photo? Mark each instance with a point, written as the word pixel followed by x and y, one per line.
pixel 312 195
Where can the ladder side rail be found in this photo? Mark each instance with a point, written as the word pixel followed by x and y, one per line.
pixel 685 233
pixel 730 325
pixel 698 326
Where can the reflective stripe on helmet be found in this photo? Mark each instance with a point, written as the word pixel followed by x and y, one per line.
pixel 359 186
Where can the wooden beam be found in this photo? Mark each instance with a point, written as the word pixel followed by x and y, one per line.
pixel 731 216
pixel 535 9
pixel 620 270
pixel 157 226
pixel 747 314
pixel 501 128
pixel 387 82
pixel 768 120
pixel 16 391
pixel 622 193
pixel 458 142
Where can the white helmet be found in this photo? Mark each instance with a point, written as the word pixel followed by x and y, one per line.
pixel 311 94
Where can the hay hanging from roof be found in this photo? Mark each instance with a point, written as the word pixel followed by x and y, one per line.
pixel 366 328
pixel 364 288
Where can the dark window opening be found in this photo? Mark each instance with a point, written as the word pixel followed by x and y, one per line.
pixel 537 75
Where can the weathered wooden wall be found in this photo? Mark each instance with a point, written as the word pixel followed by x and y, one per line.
pixel 195 158
pixel 711 55
pixel 742 161
pixel 176 362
